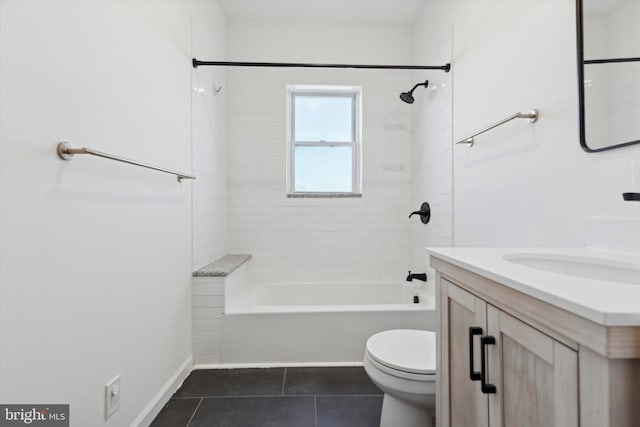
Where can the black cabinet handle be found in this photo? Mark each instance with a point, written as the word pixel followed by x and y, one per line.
pixel 473 331
pixel 486 388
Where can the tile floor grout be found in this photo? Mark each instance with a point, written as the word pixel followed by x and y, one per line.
pixel 315 409
pixel 333 398
pixel 194 412
pixel 284 379
pixel 278 395
pixel 315 402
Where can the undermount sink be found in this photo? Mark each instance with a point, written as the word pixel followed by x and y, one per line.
pixel 579 266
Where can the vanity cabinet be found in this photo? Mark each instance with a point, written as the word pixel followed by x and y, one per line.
pixel 524 372
pixel 543 366
pixel 460 311
pixel 538 375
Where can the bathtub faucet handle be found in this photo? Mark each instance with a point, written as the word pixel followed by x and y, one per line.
pixel 424 212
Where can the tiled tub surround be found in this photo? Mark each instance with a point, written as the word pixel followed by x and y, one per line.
pixel 277 397
pixel 321 239
pixel 210 285
pixel 317 323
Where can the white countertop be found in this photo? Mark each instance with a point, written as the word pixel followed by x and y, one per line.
pixel 605 302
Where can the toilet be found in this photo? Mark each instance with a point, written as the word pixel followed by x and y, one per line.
pixel 402 363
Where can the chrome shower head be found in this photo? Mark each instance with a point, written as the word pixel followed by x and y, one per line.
pixel 408 96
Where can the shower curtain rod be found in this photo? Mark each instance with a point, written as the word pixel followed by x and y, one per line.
pixel 197 63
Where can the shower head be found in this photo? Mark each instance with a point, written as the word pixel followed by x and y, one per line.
pixel 408 96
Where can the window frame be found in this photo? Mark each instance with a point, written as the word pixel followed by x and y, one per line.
pixel 354 92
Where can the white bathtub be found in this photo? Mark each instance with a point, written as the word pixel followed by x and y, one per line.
pixel 320 323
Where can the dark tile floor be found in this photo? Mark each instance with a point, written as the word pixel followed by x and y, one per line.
pixel 276 397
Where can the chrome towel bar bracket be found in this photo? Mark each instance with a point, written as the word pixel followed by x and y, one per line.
pixel 531 116
pixel 65 152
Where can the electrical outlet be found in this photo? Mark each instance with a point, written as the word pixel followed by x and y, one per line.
pixel 112 396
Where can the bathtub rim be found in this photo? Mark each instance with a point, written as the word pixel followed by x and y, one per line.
pixel 249 305
pixel 328 309
pixel 268 365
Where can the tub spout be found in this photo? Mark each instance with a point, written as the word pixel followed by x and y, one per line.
pixel 418 276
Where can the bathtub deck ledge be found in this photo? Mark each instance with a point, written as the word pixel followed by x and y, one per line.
pixel 222 267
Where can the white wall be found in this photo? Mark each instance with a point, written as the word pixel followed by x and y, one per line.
pixel 95 256
pixel 521 184
pixel 318 239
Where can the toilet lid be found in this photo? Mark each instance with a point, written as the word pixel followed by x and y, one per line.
pixel 407 350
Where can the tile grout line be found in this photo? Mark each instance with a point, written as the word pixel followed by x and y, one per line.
pixel 194 412
pixel 282 394
pixel 284 378
pixel 277 395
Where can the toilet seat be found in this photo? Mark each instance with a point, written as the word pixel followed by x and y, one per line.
pixel 404 351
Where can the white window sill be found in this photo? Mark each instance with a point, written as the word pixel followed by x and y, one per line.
pixel 323 195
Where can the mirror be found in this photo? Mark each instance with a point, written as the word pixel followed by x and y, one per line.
pixel 608 35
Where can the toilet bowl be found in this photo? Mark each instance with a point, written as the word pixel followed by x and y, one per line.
pixel 402 363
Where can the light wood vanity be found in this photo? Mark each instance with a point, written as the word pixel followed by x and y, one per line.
pixel 544 365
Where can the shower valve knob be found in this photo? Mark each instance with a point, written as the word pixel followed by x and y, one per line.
pixel 424 212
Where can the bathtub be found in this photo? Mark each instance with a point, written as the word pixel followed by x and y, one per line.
pixel 316 323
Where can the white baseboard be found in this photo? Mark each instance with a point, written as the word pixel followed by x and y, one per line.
pixel 171 386
pixel 274 365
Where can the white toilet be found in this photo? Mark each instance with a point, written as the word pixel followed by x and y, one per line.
pixel 402 363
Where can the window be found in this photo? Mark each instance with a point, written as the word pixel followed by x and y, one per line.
pixel 323 140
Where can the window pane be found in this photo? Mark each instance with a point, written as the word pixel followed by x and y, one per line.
pixel 323 169
pixel 323 118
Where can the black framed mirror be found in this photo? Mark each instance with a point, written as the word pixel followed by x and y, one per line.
pixel 608 36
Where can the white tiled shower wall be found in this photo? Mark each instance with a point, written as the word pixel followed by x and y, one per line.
pixel 431 152
pixel 211 297
pixel 294 239
pixel 209 160
pixel 207 307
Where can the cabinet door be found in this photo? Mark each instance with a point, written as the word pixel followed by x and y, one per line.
pixel 461 403
pixel 536 377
